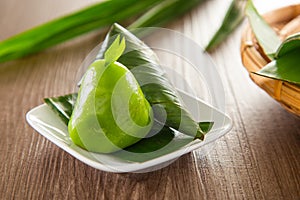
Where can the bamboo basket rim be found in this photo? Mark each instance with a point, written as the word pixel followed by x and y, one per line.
pixel 285 21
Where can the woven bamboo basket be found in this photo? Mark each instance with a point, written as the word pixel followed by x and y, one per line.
pixel 285 21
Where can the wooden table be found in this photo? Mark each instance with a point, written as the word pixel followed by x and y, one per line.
pixel 258 159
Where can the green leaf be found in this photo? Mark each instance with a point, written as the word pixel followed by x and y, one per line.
pixel 265 35
pixel 59 30
pixel 95 17
pixel 290 44
pixel 234 16
pixel 286 68
pixel 160 141
pixel 164 142
pixel 143 63
pixel 115 50
pixel 286 65
pixel 164 12
pixel 206 126
pixel 159 91
pixel 62 106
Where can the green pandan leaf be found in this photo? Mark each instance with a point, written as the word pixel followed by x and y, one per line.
pixel 290 44
pixel 206 126
pixel 158 90
pixel 164 12
pixel 265 35
pixel 159 93
pixel 234 16
pixel 115 50
pixel 111 111
pixel 62 106
pixel 97 16
pixel 163 142
pixel 100 15
pixel 286 66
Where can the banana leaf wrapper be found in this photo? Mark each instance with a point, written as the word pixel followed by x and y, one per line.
pixel 160 141
pixel 158 90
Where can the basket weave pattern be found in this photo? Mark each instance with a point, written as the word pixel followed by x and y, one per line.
pixel 285 21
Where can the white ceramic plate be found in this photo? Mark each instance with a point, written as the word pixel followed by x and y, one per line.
pixel 46 122
pixel 189 70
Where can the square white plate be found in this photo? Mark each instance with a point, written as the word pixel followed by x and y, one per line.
pixel 46 122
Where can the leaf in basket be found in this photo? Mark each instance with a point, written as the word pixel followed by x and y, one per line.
pixel 158 90
pixel 234 16
pixel 291 43
pixel 266 36
pixel 286 65
pixel 166 137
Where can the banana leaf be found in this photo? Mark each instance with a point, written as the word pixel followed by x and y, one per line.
pixel 266 36
pixel 285 66
pixel 234 16
pixel 153 146
pixel 144 65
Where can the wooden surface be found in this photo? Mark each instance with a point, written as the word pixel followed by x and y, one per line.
pixel 258 159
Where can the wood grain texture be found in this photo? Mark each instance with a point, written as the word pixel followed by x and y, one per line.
pixel 258 159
